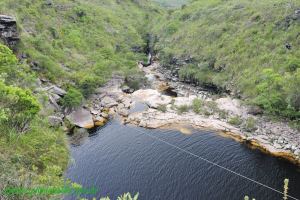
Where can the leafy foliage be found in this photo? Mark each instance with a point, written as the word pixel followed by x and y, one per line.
pixel 162 108
pixel 72 99
pixel 250 124
pixel 38 156
pixel 237 121
pixel 18 107
pixel 197 104
pixel 182 109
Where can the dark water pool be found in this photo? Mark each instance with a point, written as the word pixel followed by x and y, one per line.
pixel 120 159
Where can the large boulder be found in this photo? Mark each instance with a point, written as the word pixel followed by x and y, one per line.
pixel 81 118
pixel 8 30
pixel 56 90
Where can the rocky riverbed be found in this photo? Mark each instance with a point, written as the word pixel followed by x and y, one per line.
pixel 168 103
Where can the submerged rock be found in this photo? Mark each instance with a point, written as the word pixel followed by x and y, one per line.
pixel 79 136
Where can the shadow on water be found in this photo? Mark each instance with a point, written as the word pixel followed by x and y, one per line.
pixel 120 159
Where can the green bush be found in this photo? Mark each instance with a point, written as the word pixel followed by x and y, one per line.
pixel 197 104
pixel 18 106
pixel 162 108
pixel 237 121
pixel 250 124
pixel 293 65
pixel 135 81
pixel 88 85
pixel 7 58
pixel 72 99
pixel 269 92
pixel 182 109
pixel 14 73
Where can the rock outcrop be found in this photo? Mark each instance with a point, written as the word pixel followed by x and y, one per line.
pixel 55 121
pixel 81 118
pixel 151 97
pixel 8 30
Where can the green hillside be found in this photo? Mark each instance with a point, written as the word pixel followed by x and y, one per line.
pixel 248 48
pixel 172 3
pixel 80 41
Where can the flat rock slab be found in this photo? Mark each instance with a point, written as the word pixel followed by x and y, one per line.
pixel 108 102
pixel 151 97
pixel 182 101
pixel 81 118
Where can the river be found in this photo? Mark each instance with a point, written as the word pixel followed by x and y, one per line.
pixel 118 159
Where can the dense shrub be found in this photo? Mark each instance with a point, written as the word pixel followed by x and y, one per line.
pixel 182 109
pixel 279 94
pixel 88 85
pixel 162 108
pixel 7 58
pixel 31 160
pixel 72 99
pixel 18 106
pixel 135 81
pixel 237 121
pixel 250 124
pixel 197 104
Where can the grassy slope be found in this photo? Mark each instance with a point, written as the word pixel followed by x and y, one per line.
pixel 172 3
pixel 37 157
pixel 240 46
pixel 75 44
pixel 78 41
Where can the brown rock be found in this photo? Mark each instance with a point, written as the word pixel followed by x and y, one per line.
pixel 100 121
pixel 82 118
